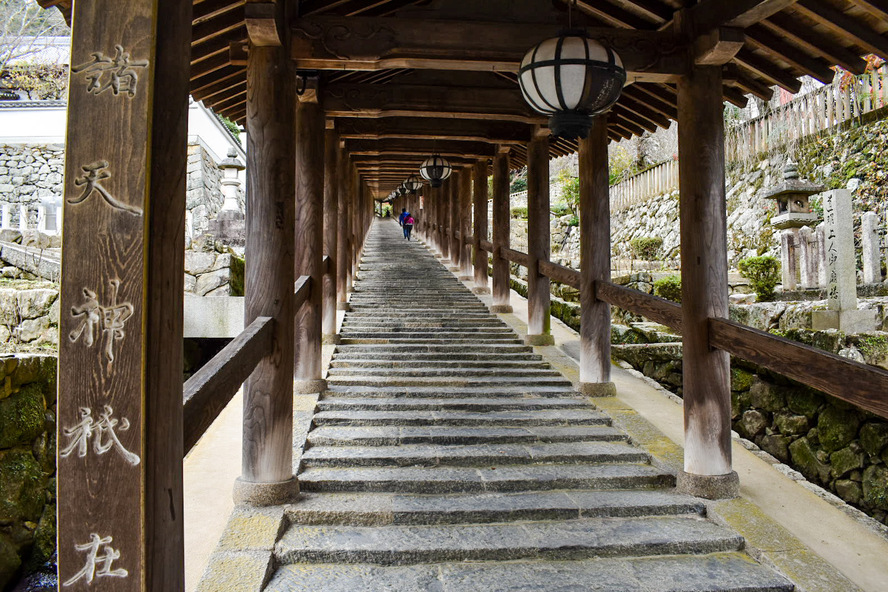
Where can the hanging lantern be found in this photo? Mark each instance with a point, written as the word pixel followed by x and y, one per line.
pixel 413 184
pixel 571 78
pixel 435 170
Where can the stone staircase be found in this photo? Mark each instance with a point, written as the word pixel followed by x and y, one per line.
pixel 447 456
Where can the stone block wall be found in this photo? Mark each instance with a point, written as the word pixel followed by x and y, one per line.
pixel 29 316
pixel 27 463
pixel 203 198
pixel 31 174
pixel 213 270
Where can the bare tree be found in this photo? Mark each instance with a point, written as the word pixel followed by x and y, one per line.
pixel 25 30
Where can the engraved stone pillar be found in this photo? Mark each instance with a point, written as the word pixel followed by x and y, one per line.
pixel 869 240
pixel 788 259
pixel 310 129
pixel 120 433
pixel 807 258
pixel 820 237
pixel 23 217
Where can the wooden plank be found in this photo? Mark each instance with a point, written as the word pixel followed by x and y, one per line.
pixel 269 270
pixel 704 272
pixel 853 382
pixel 211 388
pixel 650 307
pixel 120 363
pixel 310 129
pixel 363 43
pixel 560 274
pixel 514 256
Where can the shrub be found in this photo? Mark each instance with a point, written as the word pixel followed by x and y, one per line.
pixel 646 247
pixel 669 288
pixel 560 210
pixel 763 273
pixel 518 184
pixel 519 212
pixel 574 221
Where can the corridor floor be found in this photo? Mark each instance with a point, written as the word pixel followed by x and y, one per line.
pixel 447 455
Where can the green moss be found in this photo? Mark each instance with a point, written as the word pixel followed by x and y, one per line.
pixel 837 427
pixel 21 416
pixel 875 487
pixel 22 487
pixel 236 278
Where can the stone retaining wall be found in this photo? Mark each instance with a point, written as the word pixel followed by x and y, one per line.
pixel 27 463
pixel 29 316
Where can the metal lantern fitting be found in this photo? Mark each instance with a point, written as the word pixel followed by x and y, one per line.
pixel 413 184
pixel 435 170
pixel 571 78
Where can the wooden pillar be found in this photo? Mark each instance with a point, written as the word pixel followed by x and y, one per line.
pixel 595 319
pixel 354 188
pixel 538 239
pixel 501 221
pixel 479 197
pixel 704 274
pixel 268 394
pixel 120 360
pixel 332 180
pixel 453 220
pixel 464 223
pixel 342 238
pixel 444 219
pixel 309 240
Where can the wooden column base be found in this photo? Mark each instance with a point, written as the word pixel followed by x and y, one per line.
pixel 598 389
pixel 265 494
pixel 541 339
pixel 481 290
pixel 713 487
pixel 343 306
pixel 465 278
pixel 331 339
pixel 501 308
pixel 308 387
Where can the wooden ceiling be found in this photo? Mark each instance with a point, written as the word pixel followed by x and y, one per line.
pixel 406 75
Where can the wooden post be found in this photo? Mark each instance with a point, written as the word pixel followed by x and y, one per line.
pixel 332 181
pixel 538 239
pixel 268 394
pixel 342 235
pixel 444 220
pixel 501 221
pixel 353 188
pixel 453 224
pixel 479 197
pixel 120 360
pixel 310 195
pixel 704 278
pixel 465 224
pixel 595 319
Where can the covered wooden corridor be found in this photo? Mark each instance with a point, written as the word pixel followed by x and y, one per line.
pixel 342 101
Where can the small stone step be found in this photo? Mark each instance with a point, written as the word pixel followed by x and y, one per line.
pixel 553 417
pixel 717 572
pixel 396 340
pixel 494 478
pixel 431 455
pixel 429 363
pixel 417 371
pixel 365 509
pixel 394 350
pixel 453 381
pixel 449 404
pixel 394 435
pixel 575 539
pixel 414 391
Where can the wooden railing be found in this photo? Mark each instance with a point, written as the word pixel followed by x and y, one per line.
pixel 859 384
pixel 657 180
pixel 212 387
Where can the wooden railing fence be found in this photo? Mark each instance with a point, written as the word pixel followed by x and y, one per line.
pixel 852 382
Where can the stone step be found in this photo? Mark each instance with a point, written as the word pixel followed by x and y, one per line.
pixel 365 509
pixel 401 435
pixel 447 381
pixel 400 340
pixel 417 371
pixel 391 350
pixel 428 362
pixel 555 417
pixel 575 539
pixel 335 390
pixel 423 324
pixel 450 404
pixel 717 572
pixel 493 478
pixel 431 455
pixel 435 336
pixel 426 329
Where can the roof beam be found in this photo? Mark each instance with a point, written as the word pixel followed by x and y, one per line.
pixel 711 14
pixel 768 70
pixel 718 46
pixel 763 39
pixel 787 27
pixel 368 43
pixel 432 129
pixel 420 147
pixel 844 25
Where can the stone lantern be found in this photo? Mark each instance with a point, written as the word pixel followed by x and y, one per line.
pixel 229 225
pixel 793 200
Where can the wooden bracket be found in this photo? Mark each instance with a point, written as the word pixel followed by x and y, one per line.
pixel 262 24
pixel 237 53
pixel 718 46
pixel 307 84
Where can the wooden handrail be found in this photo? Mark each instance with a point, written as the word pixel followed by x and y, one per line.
pixel 486 246
pixel 560 274
pixel 301 292
pixel 326 262
pixel 211 388
pixel 515 256
pixel 652 307
pixel 860 384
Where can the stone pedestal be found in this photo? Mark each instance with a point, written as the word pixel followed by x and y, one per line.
pixel 229 227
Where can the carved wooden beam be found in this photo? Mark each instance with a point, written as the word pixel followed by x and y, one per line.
pixel 718 46
pixel 262 19
pixel 396 100
pixel 364 43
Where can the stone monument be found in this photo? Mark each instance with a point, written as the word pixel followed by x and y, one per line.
pixel 229 227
